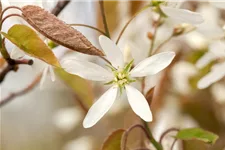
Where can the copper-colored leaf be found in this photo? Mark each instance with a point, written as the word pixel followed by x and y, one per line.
pixel 149 95
pixel 113 142
pixel 56 30
pixel 135 6
pixel 2 62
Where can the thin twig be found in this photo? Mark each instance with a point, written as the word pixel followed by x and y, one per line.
pixel 8 16
pixel 174 142
pixel 0 6
pixel 156 25
pixel 5 71
pixel 162 44
pixel 12 64
pixel 91 27
pixel 101 3
pixel 125 135
pixel 22 92
pixel 166 132
pixel 168 39
pixel 59 7
pixel 129 21
pixel 156 144
pixel 7 8
pixel 37 79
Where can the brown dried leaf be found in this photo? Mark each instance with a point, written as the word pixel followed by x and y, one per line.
pixel 2 62
pixel 113 142
pixel 56 30
pixel 149 95
pixel 135 6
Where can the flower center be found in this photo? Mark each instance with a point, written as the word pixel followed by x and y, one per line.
pixel 156 3
pixel 122 76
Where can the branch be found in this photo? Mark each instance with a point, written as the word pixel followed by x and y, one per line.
pixel 91 27
pixel 101 3
pixel 6 71
pixel 166 132
pixel 173 144
pixel 12 64
pixel 156 27
pixel 125 135
pixel 156 144
pixel 129 21
pixel 59 7
pixel 22 92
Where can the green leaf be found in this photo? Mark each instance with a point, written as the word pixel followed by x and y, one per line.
pixel 81 87
pixel 28 40
pixel 113 142
pixel 197 134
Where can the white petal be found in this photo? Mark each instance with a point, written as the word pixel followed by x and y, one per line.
pixel 16 53
pixel 100 107
pixel 112 51
pixel 183 15
pixel 52 73
pixel 87 70
pixel 43 78
pixel 218 4
pixel 174 4
pixel 205 59
pixel 5 3
pixel 217 48
pixel 217 73
pixel 153 64
pixel 138 103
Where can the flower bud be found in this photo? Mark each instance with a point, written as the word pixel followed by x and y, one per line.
pixel 182 28
pixel 150 35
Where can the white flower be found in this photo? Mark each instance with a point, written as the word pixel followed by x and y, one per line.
pixel 181 15
pixel 216 74
pixel 218 4
pixel 216 51
pixel 47 69
pixel 120 76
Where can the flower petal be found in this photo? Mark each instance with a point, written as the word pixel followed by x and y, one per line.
pixel 112 51
pixel 16 53
pixel 218 4
pixel 43 77
pixel 205 59
pixel 138 103
pixel 87 70
pixel 217 48
pixel 52 73
pixel 174 4
pixel 100 107
pixel 183 15
pixel 153 64
pixel 217 73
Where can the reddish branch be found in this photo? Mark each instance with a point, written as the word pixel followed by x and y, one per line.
pixel 166 132
pixel 13 64
pixel 59 7
pixel 22 92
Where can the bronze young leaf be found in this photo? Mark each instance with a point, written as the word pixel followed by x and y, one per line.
pixel 56 30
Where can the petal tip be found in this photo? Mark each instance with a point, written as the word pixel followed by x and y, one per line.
pixel 86 125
